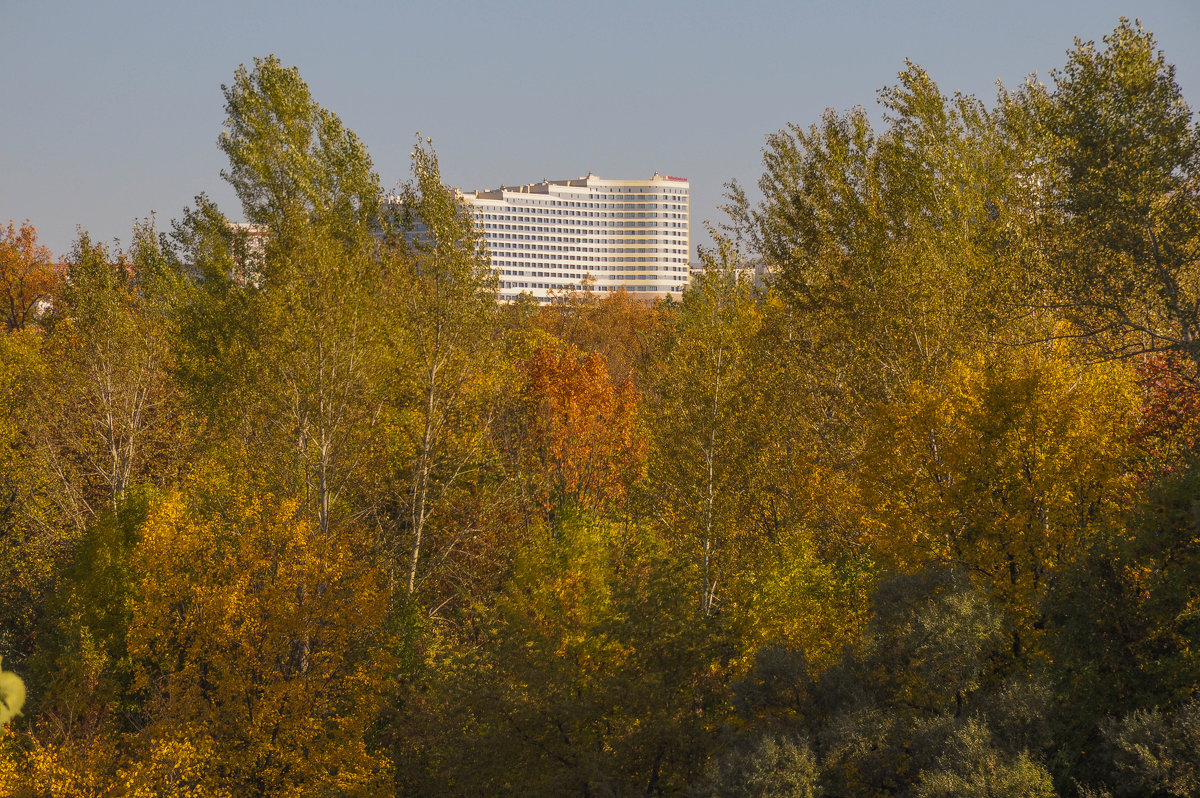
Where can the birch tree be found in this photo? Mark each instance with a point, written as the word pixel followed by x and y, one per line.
pixel 697 456
pixel 110 401
pixel 311 313
pixel 443 295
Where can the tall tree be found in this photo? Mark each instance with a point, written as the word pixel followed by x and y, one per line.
pixel 110 403
pixel 884 242
pixel 309 387
pixel 1008 469
pixel 698 454
pixel 291 161
pixel 1124 236
pixel 259 639
pixel 443 292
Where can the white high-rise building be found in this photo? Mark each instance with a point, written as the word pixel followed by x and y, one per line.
pixel 557 234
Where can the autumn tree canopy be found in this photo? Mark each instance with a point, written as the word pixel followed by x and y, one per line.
pixel 28 279
pixel 297 508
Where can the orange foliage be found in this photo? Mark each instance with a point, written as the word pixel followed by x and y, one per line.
pixel 1169 426
pixel 584 432
pixel 617 326
pixel 27 277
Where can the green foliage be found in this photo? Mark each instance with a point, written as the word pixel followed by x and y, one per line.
pixel 291 161
pixel 442 295
pixel 1122 626
pixel 35 538
pixel 974 768
pixel 588 675
pixel 699 452
pixel 296 508
pixel 1127 137
pixel 88 618
pixel 774 768
pixel 1123 262
pixel 288 352
pixel 912 707
pixel 886 243
pixel 1156 752
pixel 215 349
pixel 112 339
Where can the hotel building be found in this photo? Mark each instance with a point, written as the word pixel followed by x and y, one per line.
pixel 557 234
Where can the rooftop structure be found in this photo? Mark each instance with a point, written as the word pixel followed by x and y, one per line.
pixel 560 235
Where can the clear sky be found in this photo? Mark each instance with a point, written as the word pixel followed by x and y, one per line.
pixel 112 110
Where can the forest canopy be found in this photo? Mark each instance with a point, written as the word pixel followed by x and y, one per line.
pixel 311 513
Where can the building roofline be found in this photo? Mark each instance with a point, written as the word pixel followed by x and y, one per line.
pixel 588 181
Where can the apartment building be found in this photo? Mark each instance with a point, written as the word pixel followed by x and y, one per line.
pixel 561 235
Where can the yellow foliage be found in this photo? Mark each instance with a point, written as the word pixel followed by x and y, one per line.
pixel 77 769
pixel 180 766
pixel 12 695
pixel 259 636
pixel 1006 466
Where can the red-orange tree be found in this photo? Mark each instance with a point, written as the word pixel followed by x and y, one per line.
pixel 1169 426
pixel 584 442
pixel 27 276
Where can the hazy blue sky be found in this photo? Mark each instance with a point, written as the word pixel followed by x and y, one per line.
pixel 111 110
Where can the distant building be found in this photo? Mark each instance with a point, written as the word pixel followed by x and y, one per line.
pixel 612 234
pixel 756 272
pixel 249 251
pixel 764 275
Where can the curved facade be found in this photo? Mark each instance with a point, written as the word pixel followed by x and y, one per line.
pixel 559 235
